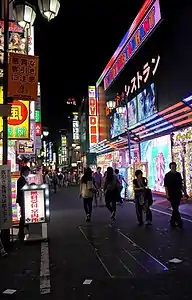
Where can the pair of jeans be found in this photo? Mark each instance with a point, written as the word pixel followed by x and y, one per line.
pixel 88 203
pixel 176 217
pixel 111 198
pixel 140 211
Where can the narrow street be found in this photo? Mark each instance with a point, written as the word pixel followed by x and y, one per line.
pixel 120 260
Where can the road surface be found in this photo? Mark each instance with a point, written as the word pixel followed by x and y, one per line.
pixel 100 261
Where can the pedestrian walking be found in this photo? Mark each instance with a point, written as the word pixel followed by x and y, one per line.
pixel 98 182
pixel 87 191
pixel 3 253
pixel 112 191
pixel 143 198
pixel 21 182
pixel 121 180
pixel 174 189
pixel 55 182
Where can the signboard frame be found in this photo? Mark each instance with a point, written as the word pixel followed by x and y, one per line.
pixel 45 189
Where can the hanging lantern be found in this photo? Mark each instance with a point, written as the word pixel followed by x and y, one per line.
pixel 111 104
pixel 24 13
pixel 121 110
pixel 49 8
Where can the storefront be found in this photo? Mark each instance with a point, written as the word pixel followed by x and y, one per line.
pixel 152 81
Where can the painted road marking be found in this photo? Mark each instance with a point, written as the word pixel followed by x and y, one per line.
pixel 45 284
pixel 143 250
pixel 96 253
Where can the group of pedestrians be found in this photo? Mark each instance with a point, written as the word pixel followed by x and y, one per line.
pixel 92 186
pixel 111 186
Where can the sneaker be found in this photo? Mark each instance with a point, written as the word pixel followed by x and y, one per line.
pixel 113 216
pixel 148 223
pixel 88 218
pixel 3 253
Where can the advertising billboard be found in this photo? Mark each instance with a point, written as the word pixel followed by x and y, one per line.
pixel 93 118
pixel 19 121
pixel 36 204
pixel 143 25
pixel 157 153
pixel 27 146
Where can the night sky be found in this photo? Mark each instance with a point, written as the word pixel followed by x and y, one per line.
pixel 74 48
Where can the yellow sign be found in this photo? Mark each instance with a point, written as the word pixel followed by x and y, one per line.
pixel 18 122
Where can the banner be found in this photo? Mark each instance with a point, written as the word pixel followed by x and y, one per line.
pixel 19 121
pixel 23 76
pixel 5 198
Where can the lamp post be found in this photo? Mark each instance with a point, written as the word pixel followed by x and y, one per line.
pixel 25 15
pixel 121 110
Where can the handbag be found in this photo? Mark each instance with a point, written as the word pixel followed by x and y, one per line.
pixel 149 196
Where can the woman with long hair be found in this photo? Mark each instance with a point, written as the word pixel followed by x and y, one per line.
pixel 112 191
pixel 87 190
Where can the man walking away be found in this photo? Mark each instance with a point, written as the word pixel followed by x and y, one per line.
pixel 173 188
pixel 98 183
pixel 21 182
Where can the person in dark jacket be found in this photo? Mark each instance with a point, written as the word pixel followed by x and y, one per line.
pixel 174 189
pixel 21 182
pixel 142 206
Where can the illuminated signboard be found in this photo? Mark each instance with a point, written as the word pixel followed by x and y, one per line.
pixel 19 121
pixel 38 129
pixel 133 43
pixel 126 37
pixel 36 203
pixel 37 115
pixel 93 118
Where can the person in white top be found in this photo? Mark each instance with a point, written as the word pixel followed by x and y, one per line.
pixel 87 190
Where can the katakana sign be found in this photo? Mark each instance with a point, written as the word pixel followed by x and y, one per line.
pixel 149 69
pixel 23 76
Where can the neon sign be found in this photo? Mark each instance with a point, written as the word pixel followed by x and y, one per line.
pixel 135 38
pixel 93 118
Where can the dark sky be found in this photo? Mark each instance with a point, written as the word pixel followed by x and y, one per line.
pixel 74 49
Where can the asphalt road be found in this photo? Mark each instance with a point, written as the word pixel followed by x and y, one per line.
pixel 122 261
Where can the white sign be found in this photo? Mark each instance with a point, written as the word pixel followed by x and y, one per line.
pixel 32 110
pixel 75 131
pixel 34 203
pixel 5 198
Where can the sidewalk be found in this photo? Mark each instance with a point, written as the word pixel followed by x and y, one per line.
pixel 185 208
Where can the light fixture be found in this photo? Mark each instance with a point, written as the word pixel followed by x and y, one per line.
pixel 24 13
pixel 45 133
pixel 49 8
pixel 111 104
pixel 121 110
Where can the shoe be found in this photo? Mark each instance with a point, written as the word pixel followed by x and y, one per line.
pixel 3 253
pixel 148 223
pixel 113 216
pixel 88 218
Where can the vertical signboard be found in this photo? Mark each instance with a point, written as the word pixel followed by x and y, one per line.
pixel 75 128
pixel 5 198
pixel 93 118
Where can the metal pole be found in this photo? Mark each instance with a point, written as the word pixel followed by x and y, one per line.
pixel 128 134
pixel 5 79
pixel 5 233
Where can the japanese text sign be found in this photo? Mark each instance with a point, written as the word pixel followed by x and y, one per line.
pixel 19 121
pixel 144 29
pixel 23 76
pixel 36 203
pixel 38 129
pixel 5 198
pixel 93 118
pixel 142 77
pixel 15 207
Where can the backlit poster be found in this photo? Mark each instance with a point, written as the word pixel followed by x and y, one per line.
pixel 132 112
pixel 157 153
pixel 118 124
pixel 147 103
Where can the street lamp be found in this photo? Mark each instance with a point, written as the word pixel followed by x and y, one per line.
pixel 111 104
pixel 49 8
pixel 121 110
pixel 24 13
